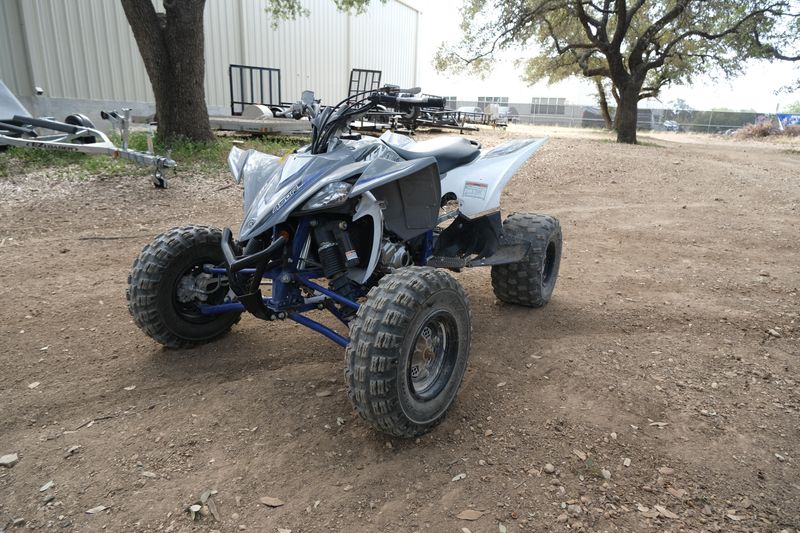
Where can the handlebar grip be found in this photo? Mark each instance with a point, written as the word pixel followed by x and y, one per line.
pixel 420 101
pixel 413 90
pixel 413 100
pixel 384 99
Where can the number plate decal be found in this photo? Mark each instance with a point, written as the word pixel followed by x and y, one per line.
pixel 474 189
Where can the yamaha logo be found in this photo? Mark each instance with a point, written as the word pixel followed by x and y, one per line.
pixel 282 201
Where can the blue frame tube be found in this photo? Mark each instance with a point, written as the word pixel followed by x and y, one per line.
pixel 320 328
pixel 220 309
pixel 329 293
pixel 335 312
pixel 219 270
pixel 281 295
pixel 427 251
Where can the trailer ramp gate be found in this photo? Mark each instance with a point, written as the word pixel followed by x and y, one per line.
pixel 251 85
pixel 362 80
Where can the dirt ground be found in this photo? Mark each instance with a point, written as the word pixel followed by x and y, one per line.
pixel 661 383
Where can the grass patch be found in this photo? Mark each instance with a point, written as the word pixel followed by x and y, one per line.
pixel 214 155
pixel 206 157
pixel 766 129
pixel 21 160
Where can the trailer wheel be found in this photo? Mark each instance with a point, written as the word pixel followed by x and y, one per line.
pixel 531 281
pixel 408 351
pixel 84 122
pixel 167 285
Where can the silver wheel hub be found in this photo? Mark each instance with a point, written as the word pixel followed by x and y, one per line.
pixel 197 287
pixel 428 356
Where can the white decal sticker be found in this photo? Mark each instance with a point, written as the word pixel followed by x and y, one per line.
pixel 474 189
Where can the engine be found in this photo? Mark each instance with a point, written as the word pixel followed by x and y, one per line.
pixel 394 255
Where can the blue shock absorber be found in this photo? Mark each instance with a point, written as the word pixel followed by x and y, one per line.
pixel 427 247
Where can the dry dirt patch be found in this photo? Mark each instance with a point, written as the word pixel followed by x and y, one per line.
pixel 660 385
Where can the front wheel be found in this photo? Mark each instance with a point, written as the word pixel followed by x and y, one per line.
pixel 167 285
pixel 531 281
pixel 408 351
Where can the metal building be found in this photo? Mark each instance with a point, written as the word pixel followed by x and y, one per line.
pixel 83 55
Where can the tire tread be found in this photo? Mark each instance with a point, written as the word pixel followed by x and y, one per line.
pixel 146 275
pixel 376 333
pixel 521 283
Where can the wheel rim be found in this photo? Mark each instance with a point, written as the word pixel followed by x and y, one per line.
pixel 548 269
pixel 433 356
pixel 193 288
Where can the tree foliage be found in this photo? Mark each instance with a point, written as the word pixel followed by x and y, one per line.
pixel 171 45
pixel 292 9
pixel 641 46
pixel 286 9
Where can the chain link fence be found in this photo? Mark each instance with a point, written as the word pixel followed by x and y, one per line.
pixel 577 116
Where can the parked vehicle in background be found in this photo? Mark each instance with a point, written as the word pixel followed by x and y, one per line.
pixel 472 114
pixel 508 114
pixel 671 125
pixel 469 109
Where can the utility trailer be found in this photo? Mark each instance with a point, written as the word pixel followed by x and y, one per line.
pixel 438 118
pixel 442 119
pixel 75 134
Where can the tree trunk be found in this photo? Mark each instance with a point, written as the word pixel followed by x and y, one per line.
pixel 171 46
pixel 627 113
pixel 603 102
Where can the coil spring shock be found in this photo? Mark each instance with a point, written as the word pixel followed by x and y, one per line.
pixel 334 264
pixel 331 258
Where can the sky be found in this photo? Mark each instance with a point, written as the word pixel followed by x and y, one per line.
pixel 440 19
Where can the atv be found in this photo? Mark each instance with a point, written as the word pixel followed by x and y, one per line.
pixel 364 228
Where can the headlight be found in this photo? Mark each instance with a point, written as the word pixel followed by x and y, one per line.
pixel 331 195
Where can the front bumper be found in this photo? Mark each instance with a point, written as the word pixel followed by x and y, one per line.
pixel 246 285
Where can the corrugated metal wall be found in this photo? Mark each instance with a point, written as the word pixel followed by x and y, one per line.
pixel 388 46
pixel 84 49
pixel 310 51
pixel 13 54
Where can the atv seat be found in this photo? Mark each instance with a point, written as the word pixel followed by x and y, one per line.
pixel 449 152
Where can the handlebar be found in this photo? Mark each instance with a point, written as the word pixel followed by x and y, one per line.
pixel 395 89
pixel 327 122
pixel 436 101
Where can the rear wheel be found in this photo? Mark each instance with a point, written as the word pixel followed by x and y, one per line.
pixel 408 351
pixel 531 281
pixel 167 286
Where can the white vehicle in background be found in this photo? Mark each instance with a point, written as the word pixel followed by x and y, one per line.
pixel 472 114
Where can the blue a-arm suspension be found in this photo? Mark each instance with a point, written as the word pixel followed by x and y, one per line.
pixel 296 311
